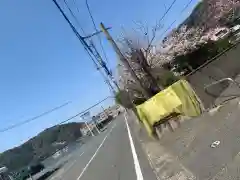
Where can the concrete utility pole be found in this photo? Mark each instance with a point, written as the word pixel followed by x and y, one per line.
pixel 89 129
pixel 91 50
pixel 124 60
pixel 104 111
pixel 94 34
pixel 97 128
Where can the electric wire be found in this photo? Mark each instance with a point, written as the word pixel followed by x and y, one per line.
pixel 33 118
pixel 181 12
pixel 95 28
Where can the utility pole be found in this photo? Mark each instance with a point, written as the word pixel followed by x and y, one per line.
pixel 94 34
pixel 124 60
pixel 104 66
pixel 97 128
pixel 94 120
pixel 104 111
pixel 90 49
pixel 89 128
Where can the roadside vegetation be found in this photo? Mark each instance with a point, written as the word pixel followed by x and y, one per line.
pixel 40 147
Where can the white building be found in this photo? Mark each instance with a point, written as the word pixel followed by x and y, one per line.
pixel 219 33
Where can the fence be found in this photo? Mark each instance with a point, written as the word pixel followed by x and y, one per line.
pixel 224 65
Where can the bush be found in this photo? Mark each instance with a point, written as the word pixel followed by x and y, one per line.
pixel 198 57
pixel 168 79
pixel 123 98
pixel 34 169
pixel 222 45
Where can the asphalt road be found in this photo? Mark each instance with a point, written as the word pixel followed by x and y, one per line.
pixel 192 143
pixel 115 154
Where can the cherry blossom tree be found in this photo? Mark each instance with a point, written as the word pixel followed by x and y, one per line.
pixel 135 49
pixel 128 84
pixel 178 42
pixel 185 40
pixel 216 11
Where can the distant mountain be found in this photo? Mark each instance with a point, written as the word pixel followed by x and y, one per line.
pixel 195 17
pixel 200 17
pixel 41 146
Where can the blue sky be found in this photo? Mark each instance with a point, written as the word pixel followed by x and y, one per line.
pixel 42 64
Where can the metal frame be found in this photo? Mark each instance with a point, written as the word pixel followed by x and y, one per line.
pixel 221 80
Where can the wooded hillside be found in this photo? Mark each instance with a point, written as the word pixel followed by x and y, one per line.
pixel 41 146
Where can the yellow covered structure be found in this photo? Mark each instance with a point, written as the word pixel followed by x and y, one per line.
pixel 177 98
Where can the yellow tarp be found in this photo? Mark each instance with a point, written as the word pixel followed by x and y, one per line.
pixel 179 98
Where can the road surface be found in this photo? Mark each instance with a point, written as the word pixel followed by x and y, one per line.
pixel 115 154
pixel 192 143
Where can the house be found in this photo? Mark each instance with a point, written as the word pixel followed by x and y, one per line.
pixel 235 30
pixel 219 33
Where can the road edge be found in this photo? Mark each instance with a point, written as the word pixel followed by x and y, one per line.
pixel 164 165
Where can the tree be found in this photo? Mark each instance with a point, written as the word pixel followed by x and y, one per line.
pixel 184 40
pixel 148 35
pixel 136 49
pixel 213 13
pixel 128 86
pixel 177 43
pixel 122 98
pixel 144 56
pixel 40 146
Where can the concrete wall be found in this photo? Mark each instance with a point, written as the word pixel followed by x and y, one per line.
pixel 225 65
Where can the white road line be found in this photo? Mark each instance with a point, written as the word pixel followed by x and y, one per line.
pixel 134 153
pixel 81 154
pixel 85 168
pixel 67 169
pixel 62 171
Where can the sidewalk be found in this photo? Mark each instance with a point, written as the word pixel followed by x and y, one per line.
pixel 187 154
pixel 164 164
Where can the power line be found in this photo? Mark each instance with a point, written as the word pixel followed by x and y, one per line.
pixel 75 18
pixel 170 26
pixel 81 39
pixel 75 3
pixel 33 118
pixel 71 12
pixel 103 64
pixel 169 8
pixel 87 48
pixel 95 28
pixel 76 115
pixel 90 49
pixel 100 42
